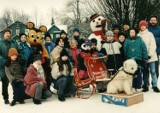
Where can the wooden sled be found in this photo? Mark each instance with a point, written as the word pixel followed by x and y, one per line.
pixel 96 71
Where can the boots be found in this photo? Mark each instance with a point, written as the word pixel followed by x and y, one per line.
pixel 35 101
pixel 6 101
pixel 145 89
pixel 13 103
pixel 156 89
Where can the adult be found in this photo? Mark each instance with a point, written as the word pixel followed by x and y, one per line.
pixel 155 29
pixel 5 44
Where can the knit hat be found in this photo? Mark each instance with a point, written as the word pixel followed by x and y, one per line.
pixel 47 35
pixel 21 34
pixel 12 51
pixel 37 57
pixel 75 30
pixel 7 30
pixel 143 23
pixel 94 41
pixel 63 32
pixel 109 33
pixel 87 43
pixel 94 16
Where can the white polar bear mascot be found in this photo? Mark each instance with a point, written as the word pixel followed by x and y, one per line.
pixel 98 25
pixel 122 82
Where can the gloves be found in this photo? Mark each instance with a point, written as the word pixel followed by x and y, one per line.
pixel 7 62
pixel 149 57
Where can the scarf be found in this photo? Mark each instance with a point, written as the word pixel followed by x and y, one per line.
pixel 100 33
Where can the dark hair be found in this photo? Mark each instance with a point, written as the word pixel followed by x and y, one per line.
pixel 116 26
pixel 21 34
pixel 6 30
pixel 154 16
pixel 60 62
pixel 47 35
pixel 136 30
pixel 58 40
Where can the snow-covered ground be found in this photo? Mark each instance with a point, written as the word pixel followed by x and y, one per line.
pixel 94 104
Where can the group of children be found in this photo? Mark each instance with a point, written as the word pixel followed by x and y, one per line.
pixel 67 54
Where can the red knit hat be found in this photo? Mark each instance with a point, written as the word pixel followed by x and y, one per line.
pixel 12 51
pixel 143 23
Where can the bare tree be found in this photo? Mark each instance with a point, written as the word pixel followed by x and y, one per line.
pixel 6 17
pixel 120 11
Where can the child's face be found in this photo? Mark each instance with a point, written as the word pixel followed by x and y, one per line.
pixel 93 46
pixel 61 43
pixel 63 35
pixel 109 38
pixel 73 44
pixel 75 34
pixel 116 30
pixel 88 47
pixel 47 39
pixel 121 38
pixel 13 57
pixel 132 33
pixel 23 38
pixel 39 62
pixel 143 28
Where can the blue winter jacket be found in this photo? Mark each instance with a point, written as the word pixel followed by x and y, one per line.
pixel 156 32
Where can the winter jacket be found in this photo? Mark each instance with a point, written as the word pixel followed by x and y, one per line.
pixel 156 32
pixel 55 54
pixel 112 47
pixel 32 78
pixel 73 56
pixel 80 41
pixel 49 46
pixel 56 73
pixel 66 42
pixel 149 40
pixel 135 48
pixel 27 49
pixel 14 71
pixel 4 48
pixel 81 57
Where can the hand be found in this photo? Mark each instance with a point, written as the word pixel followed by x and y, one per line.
pixel 64 58
pixel 149 57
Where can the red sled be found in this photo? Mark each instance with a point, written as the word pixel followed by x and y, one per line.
pixel 96 70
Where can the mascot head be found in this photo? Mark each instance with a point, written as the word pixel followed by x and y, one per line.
pixel 35 35
pixel 97 22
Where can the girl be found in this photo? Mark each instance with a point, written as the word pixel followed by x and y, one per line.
pixel 62 73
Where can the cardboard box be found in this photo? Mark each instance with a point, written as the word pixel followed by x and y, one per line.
pixel 122 99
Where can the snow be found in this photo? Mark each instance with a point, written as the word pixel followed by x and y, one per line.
pixel 94 104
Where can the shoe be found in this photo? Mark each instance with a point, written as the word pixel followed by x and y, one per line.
pixel 62 99
pixel 43 97
pixel 156 89
pixel 21 102
pixel 145 89
pixel 6 101
pixel 35 101
pixel 13 103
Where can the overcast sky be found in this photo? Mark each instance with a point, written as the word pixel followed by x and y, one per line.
pixel 29 6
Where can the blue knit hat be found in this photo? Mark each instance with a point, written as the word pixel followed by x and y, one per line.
pixel 75 30
pixel 37 57
pixel 88 43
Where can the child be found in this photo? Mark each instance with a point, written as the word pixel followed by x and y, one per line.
pixel 112 48
pixel 134 47
pixel 63 35
pixel 14 72
pixel 25 45
pixel 85 52
pixel 62 73
pixel 35 81
pixel 121 38
pixel 149 40
pixel 48 43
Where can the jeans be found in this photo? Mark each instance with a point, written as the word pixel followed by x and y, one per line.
pixel 137 82
pixel 18 91
pixel 5 83
pixel 64 85
pixel 157 68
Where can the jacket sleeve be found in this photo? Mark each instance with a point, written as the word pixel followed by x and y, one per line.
pixel 152 45
pixel 9 74
pixel 125 48
pixel 20 52
pixel 55 71
pixel 144 51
